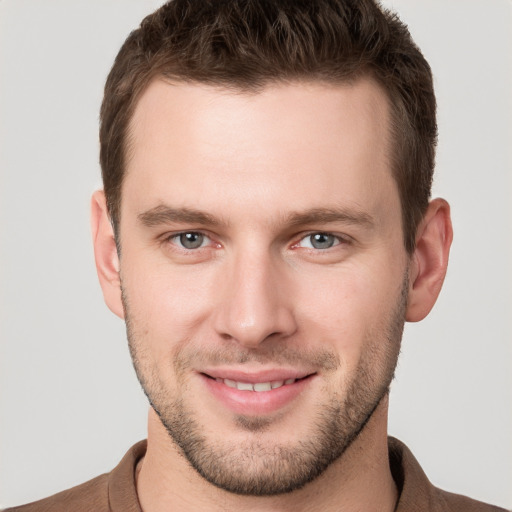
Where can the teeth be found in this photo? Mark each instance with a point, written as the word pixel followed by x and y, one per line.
pixel 244 386
pixel 230 383
pixel 262 386
pixel 258 386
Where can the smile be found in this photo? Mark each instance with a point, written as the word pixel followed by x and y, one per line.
pixel 256 394
pixel 257 386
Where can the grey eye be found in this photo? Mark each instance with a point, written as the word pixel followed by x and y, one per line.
pixel 322 240
pixel 191 240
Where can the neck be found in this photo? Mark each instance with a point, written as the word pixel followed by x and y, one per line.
pixel 359 480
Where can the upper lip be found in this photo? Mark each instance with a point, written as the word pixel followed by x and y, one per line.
pixel 253 377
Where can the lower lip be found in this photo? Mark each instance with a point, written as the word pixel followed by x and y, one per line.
pixel 254 403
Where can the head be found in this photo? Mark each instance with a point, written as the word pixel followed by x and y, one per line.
pixel 267 171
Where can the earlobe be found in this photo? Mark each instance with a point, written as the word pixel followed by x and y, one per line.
pixel 429 260
pixel 105 253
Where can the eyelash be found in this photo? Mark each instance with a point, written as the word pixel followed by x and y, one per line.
pixel 177 236
pixel 337 240
pixel 174 239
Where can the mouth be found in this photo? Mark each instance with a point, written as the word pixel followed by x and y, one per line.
pixel 256 394
pixel 258 387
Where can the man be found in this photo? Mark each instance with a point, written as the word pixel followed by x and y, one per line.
pixel 265 231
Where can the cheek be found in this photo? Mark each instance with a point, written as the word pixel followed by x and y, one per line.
pixel 165 304
pixel 351 310
pixel 342 299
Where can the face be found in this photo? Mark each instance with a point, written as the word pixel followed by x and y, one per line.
pixel 263 273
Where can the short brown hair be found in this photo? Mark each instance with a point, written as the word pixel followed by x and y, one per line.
pixel 247 44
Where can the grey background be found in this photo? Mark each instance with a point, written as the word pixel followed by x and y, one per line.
pixel 70 405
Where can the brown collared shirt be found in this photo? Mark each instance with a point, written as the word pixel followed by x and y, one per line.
pixel 116 491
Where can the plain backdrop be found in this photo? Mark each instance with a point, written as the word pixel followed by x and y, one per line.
pixel 70 403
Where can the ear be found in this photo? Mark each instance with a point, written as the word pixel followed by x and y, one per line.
pixel 105 253
pixel 429 260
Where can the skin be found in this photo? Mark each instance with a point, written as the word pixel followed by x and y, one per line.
pixel 266 170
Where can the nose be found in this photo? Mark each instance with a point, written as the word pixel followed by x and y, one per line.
pixel 255 302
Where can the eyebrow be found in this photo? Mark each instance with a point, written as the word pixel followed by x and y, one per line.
pixel 163 214
pixel 331 215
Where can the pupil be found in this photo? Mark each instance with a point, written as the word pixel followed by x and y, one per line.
pixel 322 241
pixel 191 240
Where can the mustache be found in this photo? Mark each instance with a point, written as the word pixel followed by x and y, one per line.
pixel 276 355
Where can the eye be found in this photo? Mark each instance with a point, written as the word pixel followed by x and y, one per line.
pixel 319 241
pixel 190 240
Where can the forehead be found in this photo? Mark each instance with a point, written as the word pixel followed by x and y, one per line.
pixel 288 106
pixel 282 145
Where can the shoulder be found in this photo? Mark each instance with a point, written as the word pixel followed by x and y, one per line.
pixel 417 494
pixel 91 495
pixel 455 502
pixel 114 491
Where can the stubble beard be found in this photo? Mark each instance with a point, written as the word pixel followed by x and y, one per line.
pixel 255 467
